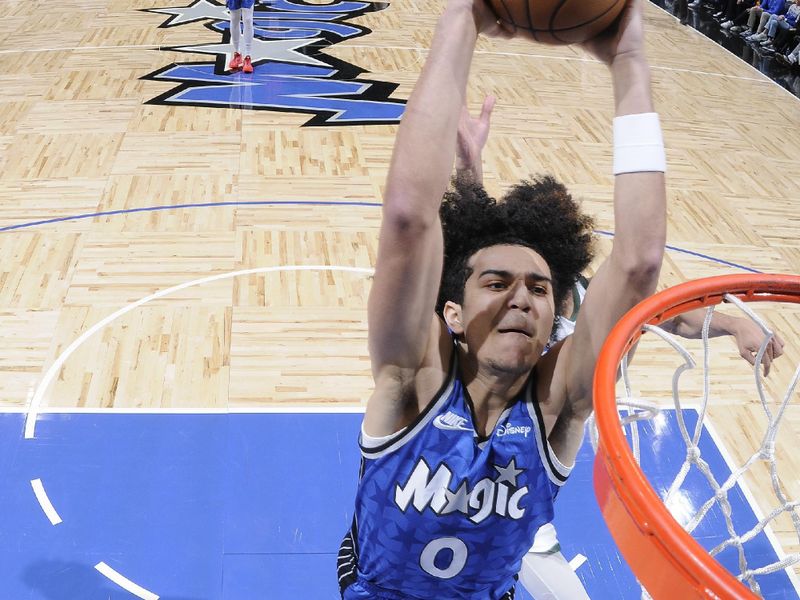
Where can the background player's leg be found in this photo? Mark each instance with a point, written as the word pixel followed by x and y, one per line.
pixel 247 17
pixel 236 37
pixel 247 43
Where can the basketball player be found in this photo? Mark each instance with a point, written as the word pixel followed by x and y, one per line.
pixel 471 431
pixel 547 574
pixel 241 10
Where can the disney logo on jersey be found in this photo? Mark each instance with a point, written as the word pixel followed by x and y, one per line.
pixel 507 429
pixel 499 496
pixel 451 421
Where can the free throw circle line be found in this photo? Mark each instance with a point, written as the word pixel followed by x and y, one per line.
pixel 33 407
pixel 125 583
pixel 44 501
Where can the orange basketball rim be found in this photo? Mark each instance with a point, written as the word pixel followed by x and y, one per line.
pixel 664 557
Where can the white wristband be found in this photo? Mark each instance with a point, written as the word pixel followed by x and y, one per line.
pixel 638 144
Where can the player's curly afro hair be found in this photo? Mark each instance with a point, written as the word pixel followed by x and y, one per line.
pixel 539 214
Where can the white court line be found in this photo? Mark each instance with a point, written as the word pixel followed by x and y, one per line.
pixel 741 483
pixel 52 372
pixel 92 410
pixel 762 79
pixel 44 501
pixel 298 409
pixel 576 562
pixel 125 583
pixel 105 48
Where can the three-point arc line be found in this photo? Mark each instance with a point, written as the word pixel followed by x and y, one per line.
pixel 33 408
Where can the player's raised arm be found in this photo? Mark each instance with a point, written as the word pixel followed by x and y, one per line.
pixel 409 263
pixel 631 272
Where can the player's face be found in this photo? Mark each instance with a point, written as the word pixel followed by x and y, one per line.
pixel 508 309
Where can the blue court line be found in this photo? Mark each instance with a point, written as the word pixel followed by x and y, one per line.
pixel 308 203
pixel 692 253
pixel 173 206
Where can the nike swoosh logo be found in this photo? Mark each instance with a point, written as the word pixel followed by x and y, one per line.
pixel 439 423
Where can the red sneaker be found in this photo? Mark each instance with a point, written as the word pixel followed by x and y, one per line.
pixel 248 66
pixel 236 62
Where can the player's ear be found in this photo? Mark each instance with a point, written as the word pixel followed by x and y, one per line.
pixel 452 317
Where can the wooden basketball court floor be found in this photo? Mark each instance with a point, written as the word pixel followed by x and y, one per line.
pixel 111 193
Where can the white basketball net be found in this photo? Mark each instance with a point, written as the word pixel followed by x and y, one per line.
pixel 635 410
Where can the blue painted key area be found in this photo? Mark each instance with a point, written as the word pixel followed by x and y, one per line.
pixel 253 506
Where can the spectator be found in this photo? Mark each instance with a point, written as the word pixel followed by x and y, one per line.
pixel 762 15
pixel 786 39
pixel 793 57
pixel 736 9
pixel 780 22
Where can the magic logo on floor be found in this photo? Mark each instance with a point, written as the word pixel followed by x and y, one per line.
pixel 292 72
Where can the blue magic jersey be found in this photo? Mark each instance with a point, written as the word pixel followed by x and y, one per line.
pixel 442 514
pixel 239 4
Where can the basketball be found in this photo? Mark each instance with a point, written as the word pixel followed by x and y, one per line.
pixel 558 21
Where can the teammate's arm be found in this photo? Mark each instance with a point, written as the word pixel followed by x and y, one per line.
pixel 747 334
pixel 472 135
